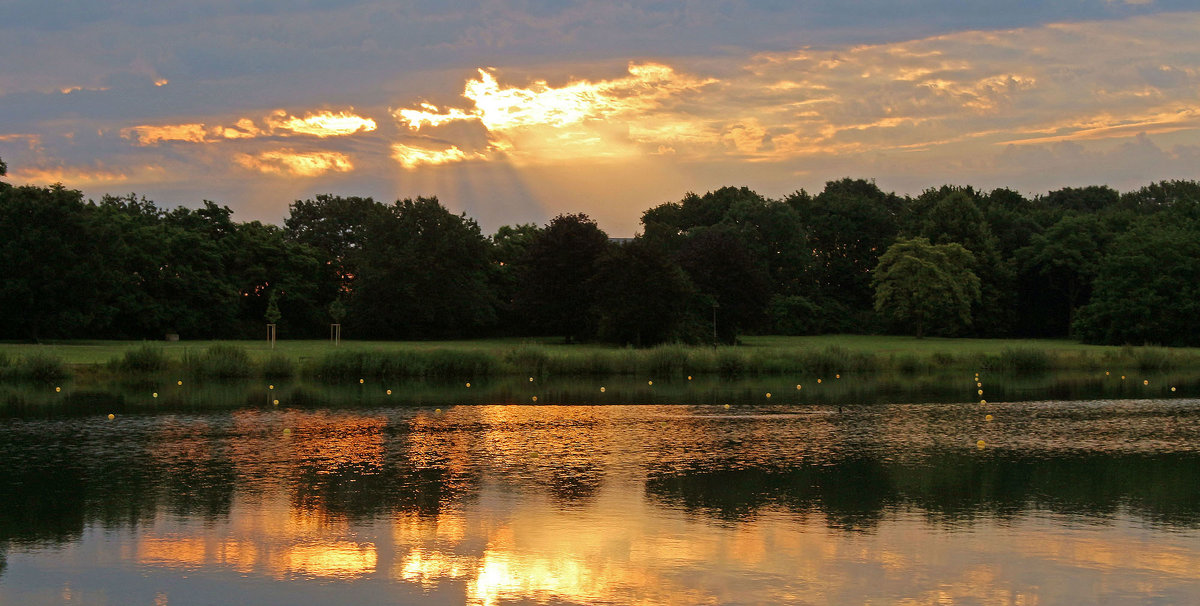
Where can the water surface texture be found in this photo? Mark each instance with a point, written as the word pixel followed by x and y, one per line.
pixel 1061 502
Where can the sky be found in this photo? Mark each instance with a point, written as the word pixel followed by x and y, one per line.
pixel 515 112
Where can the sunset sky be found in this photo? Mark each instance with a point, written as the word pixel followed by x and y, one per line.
pixel 517 111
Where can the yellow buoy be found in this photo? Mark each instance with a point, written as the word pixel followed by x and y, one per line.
pixel 1106 373
pixel 361 381
pixel 983 401
pixel 1146 382
pixel 649 382
pixel 275 402
pixel 535 398
pixel 980 444
pixel 689 377
pixel 179 382
pixel 988 418
pixel 797 387
pixel 440 410
pixel 726 407
pixel 837 376
pixel 1172 389
pixel 287 432
pixel 389 392
pixel 601 389
pixel 111 416
pixel 531 379
pixel 57 389
pixel 978 384
pixel 768 394
pixel 818 380
pixel 270 387
pixel 1122 377
pixel 981 392
pixel 155 394
pixel 468 384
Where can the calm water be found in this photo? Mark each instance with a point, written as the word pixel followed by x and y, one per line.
pixel 1065 503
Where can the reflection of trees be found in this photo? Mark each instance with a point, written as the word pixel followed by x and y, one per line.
pixel 857 492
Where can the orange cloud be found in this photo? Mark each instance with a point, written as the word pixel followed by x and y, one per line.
pixel 277 124
pixel 299 164
pixel 74 177
pixel 412 157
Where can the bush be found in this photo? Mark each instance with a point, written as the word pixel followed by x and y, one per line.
pixel 1024 360
pixel 223 362
pixel 278 367
pixel 42 367
pixel 144 358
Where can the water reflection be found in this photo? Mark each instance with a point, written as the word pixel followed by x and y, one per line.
pixel 619 504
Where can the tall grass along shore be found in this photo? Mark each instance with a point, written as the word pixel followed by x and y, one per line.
pixel 816 356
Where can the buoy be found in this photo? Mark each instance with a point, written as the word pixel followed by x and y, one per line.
pixel 988 418
pixel 837 376
pixel 389 392
pixel 179 382
pixel 602 390
pixel 983 401
pixel 361 381
pixel 1106 373
pixel 649 382
pixel 155 394
pixel 978 384
pixel 797 387
pixel 981 392
pixel 531 379
pixel 818 380
pixel 440 410
pixel 1122 377
pixel 980 444
pixel 726 407
pixel 270 387
pixel 287 432
pixel 275 402
pixel 768 394
pixel 468 384
pixel 535 398
pixel 689 377
pixel 111 416
pixel 1172 389
pixel 1146 382
pixel 57 389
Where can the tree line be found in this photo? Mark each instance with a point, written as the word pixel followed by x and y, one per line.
pixel 1090 263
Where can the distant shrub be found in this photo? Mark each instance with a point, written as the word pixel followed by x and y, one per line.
pixel 1024 360
pixel 278 367
pixel 144 358
pixel 222 361
pixel 41 367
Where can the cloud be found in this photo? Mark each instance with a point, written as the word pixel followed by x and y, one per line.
pixel 276 124
pixel 294 163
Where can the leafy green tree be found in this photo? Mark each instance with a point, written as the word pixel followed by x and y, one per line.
pixel 1092 198
pixel 643 296
pixel 53 273
pixel 557 273
pixel 507 255
pixel 956 218
pixel 1147 287
pixel 721 267
pixel 923 284
pixel 848 225
pixel 423 273
pixel 1066 258
pixel 3 168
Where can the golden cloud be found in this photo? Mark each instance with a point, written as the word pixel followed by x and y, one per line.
pixel 299 164
pixel 73 176
pixel 411 157
pixel 1080 81
pixel 276 124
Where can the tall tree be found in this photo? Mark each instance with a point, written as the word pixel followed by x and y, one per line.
pixel 723 270
pixel 643 297
pixel 558 271
pixel 423 273
pixel 926 286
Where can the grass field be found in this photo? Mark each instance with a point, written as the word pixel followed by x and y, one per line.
pixel 551 357
pixel 101 352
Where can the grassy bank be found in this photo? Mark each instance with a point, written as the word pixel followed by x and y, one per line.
pixel 770 355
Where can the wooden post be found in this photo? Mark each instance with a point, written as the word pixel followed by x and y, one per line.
pixel 271 335
pixel 335 334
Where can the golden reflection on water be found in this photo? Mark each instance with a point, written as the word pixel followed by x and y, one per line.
pixel 514 539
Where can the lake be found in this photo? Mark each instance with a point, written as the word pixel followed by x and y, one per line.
pixel 749 501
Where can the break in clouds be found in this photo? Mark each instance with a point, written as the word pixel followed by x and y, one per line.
pixel 1102 102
